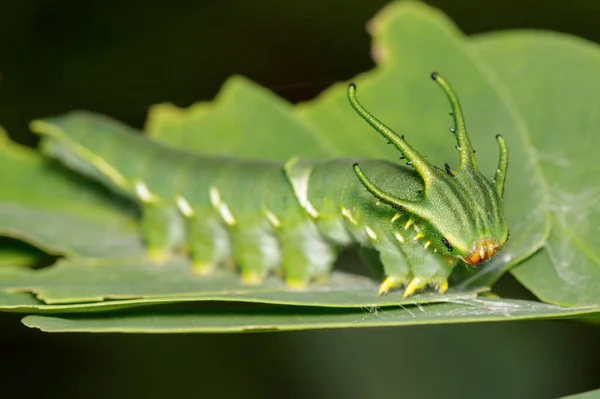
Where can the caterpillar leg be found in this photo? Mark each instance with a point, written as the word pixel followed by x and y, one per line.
pixel 389 284
pixel 428 270
pixel 305 255
pixel 208 243
pixel 256 251
pixel 412 267
pixel 418 282
pixel 161 229
pixel 395 267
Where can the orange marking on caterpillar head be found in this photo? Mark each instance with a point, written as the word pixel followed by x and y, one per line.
pixel 482 250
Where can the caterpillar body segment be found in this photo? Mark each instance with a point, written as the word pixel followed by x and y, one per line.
pixel 292 218
pixel 346 213
pixel 227 211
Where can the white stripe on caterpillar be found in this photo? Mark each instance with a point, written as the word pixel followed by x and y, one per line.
pixel 215 197
pixel 220 206
pixel 104 167
pixel 300 185
pixel 370 233
pixel 399 237
pixel 272 218
pixel 141 190
pixel 185 207
pixel 226 214
pixel 348 215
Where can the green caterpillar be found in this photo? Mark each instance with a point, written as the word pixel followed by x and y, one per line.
pixel 292 218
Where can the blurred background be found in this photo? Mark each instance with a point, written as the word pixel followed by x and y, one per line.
pixel 118 58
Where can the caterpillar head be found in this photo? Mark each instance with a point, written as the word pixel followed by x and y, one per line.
pixel 460 212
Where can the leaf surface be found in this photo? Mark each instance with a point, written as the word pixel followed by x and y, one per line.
pixel 244 121
pixel 411 40
pixel 266 319
pixel 72 282
pixel 595 394
pixel 553 81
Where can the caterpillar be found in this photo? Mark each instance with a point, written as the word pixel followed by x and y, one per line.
pixel 292 218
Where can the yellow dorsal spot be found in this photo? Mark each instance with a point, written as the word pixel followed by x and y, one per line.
pixel 388 284
pixel 420 235
pixel 348 215
pixel 395 217
pixel 378 203
pixel 427 244
pixel 409 222
pixel 415 284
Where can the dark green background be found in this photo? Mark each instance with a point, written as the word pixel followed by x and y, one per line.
pixel 120 57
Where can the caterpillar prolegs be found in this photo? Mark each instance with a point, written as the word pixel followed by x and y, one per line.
pixel 293 217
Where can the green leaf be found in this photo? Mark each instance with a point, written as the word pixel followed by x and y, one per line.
pixel 245 117
pixel 58 212
pixel 585 395
pixel 17 253
pixel 553 81
pixel 281 318
pixel 71 282
pixel 245 120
